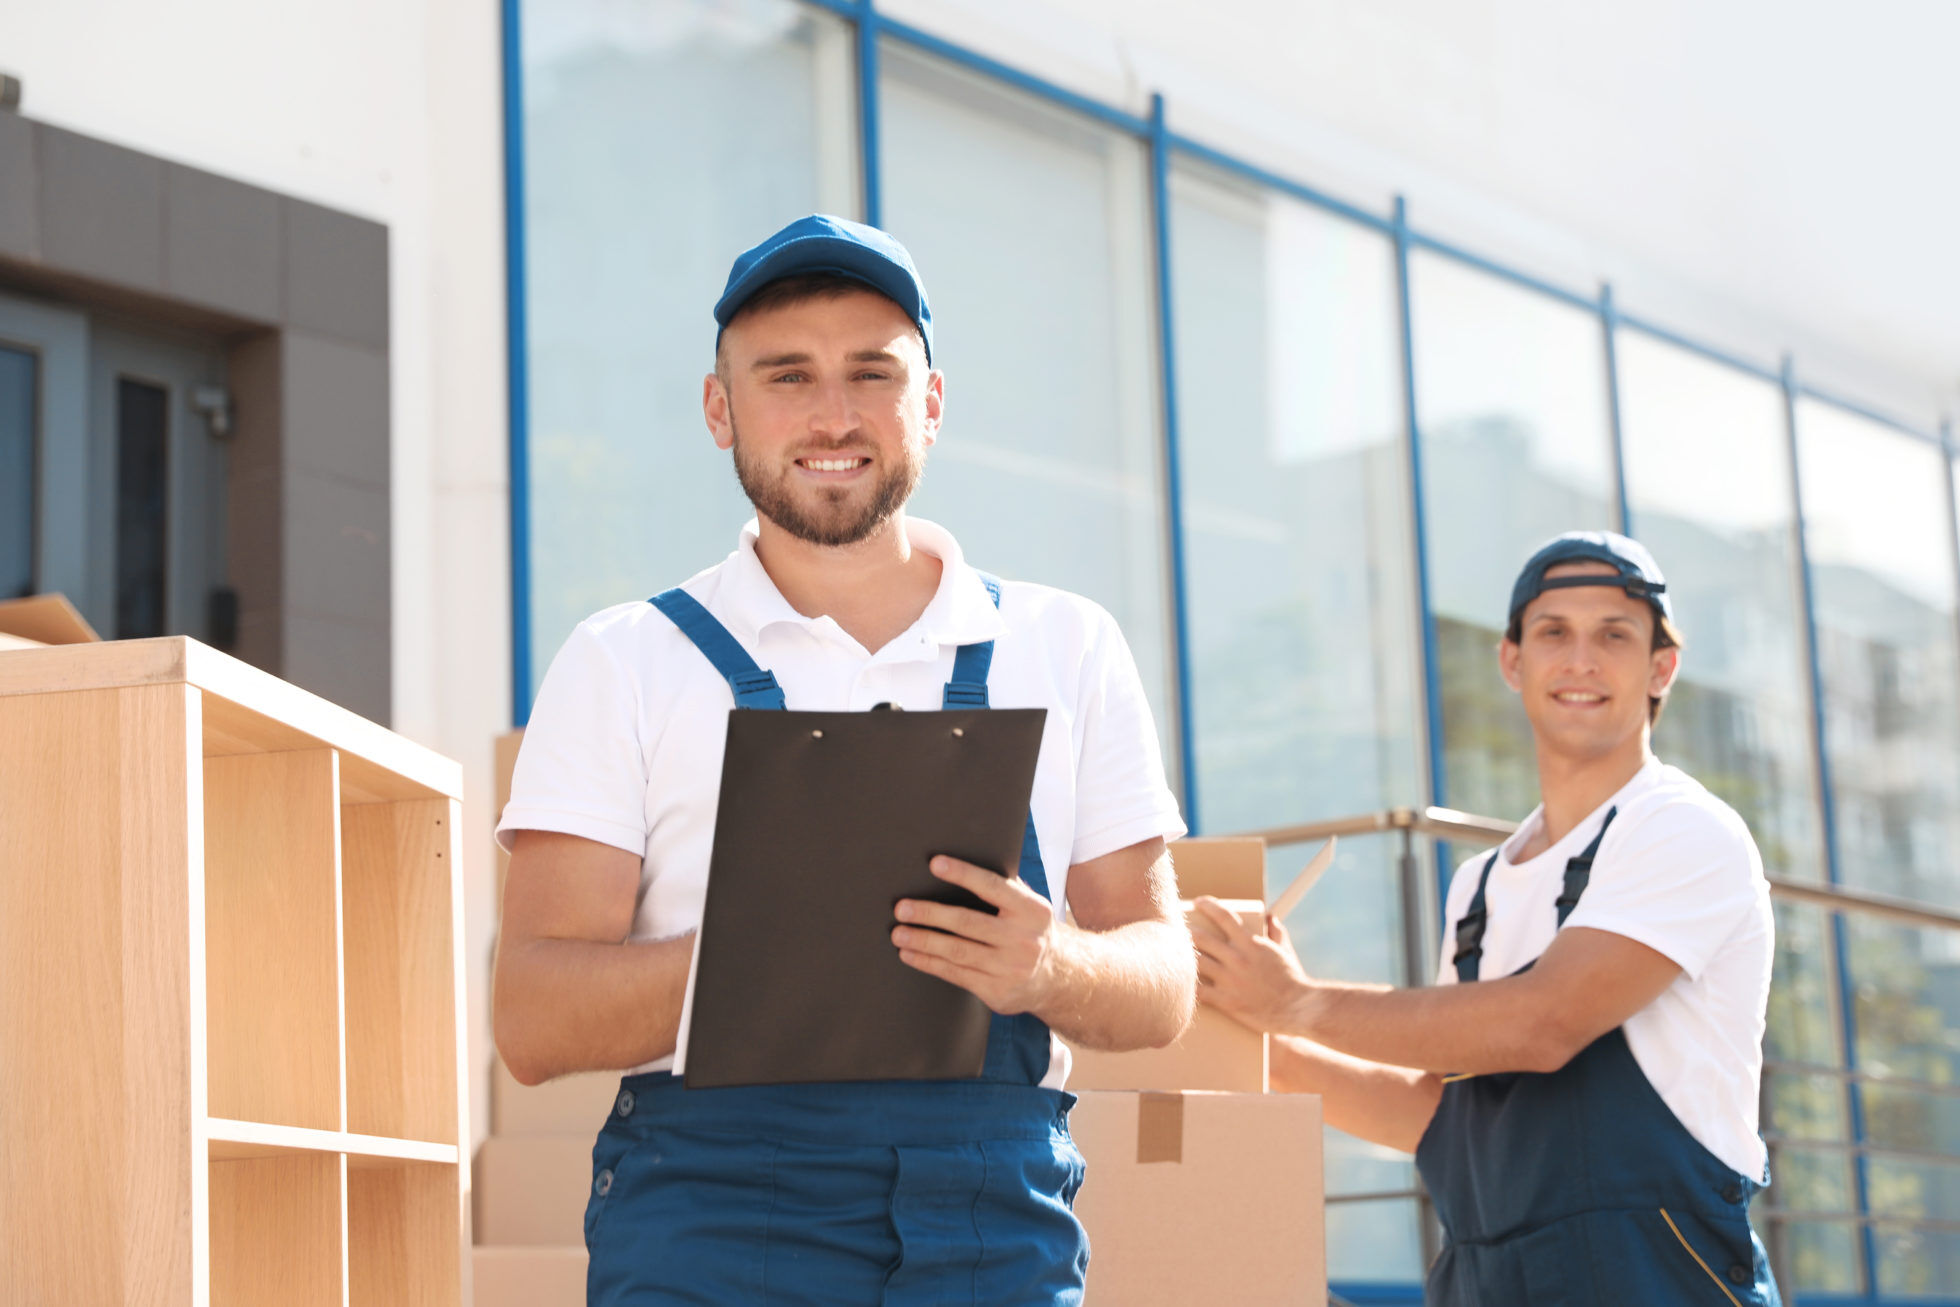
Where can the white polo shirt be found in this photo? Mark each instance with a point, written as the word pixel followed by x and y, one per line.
pixel 1679 872
pixel 625 740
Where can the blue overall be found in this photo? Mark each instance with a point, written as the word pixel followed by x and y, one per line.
pixel 898 1192
pixel 1580 1187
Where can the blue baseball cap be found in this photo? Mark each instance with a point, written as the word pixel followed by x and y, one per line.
pixel 1635 570
pixel 821 243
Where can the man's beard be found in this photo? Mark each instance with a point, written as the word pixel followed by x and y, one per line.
pixel 832 520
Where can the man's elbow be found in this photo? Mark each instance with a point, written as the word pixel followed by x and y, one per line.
pixel 1550 1045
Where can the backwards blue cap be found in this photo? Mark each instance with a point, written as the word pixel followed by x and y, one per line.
pixel 821 243
pixel 1636 571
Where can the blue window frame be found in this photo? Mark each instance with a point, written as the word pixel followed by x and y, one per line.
pixel 1166 146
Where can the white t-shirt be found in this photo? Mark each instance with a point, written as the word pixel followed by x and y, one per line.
pixel 1678 872
pixel 625 740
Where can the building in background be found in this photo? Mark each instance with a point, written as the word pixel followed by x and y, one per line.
pixel 1205 365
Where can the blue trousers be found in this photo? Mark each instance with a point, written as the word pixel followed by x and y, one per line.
pixel 903 1193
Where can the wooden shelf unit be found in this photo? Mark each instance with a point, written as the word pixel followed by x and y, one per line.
pixel 231 992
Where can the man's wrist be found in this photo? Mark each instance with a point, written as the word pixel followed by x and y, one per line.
pixel 1306 1009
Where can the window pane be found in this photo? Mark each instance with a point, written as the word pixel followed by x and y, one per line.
pixel 142 487
pixel 1918 1262
pixel 1906 983
pixel 1881 552
pixel 1374 1241
pixel 1511 391
pixel 1708 481
pixel 1803 1017
pixel 1807 1107
pixel 637 200
pixel 1032 231
pixel 1823 1257
pixel 1916 1120
pixel 1303 635
pixel 1928 1190
pixel 19 431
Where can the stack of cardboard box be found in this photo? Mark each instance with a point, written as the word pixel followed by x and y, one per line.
pixel 1203 1188
pixel 533 1172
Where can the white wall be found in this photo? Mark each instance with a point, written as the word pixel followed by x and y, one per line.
pixel 390 110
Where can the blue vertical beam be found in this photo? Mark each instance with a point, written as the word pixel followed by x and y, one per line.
pixel 517 367
pixel 867 89
pixel 1432 682
pixel 1833 865
pixel 1609 322
pixel 1160 204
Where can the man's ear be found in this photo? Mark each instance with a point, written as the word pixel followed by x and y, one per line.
pixel 714 408
pixel 1508 655
pixel 935 404
pixel 1666 666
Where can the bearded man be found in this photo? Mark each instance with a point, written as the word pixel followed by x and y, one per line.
pixel 895 1192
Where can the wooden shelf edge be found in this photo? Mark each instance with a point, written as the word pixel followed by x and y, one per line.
pixel 235 1139
pixel 300 715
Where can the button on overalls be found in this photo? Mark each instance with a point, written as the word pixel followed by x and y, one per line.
pixel 1580 1187
pixel 897 1192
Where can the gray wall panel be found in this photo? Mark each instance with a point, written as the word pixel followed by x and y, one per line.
pixel 222 243
pixel 101 210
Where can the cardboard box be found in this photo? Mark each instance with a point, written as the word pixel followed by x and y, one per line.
pixel 530 1277
pixel 1202 1198
pixel 531 1189
pixel 43 619
pixel 569 1105
pixel 1215 1052
pixel 1233 867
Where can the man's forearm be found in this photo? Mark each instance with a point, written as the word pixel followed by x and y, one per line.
pixel 1494 1026
pixel 1388 1105
pixel 1131 987
pixel 565 1005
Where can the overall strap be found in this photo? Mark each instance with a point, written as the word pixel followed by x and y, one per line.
pixel 968 688
pixel 1578 871
pixel 1470 929
pixel 753 687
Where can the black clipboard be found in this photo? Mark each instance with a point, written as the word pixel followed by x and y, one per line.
pixel 826 821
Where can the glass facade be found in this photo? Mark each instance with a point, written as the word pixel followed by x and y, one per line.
pixel 1276 374
pixel 1049 465
pixel 633 210
pixel 1511 401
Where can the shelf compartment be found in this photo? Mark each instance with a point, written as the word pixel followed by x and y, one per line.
pixel 400 910
pixel 404 1235
pixel 272 957
pixel 276 1230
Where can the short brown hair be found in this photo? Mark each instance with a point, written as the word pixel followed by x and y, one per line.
pixel 1666 636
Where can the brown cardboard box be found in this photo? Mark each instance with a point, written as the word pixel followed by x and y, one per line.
pixel 531 1189
pixel 530 1277
pixel 1231 867
pixel 1196 1199
pixel 42 619
pixel 1215 1052
pixel 569 1105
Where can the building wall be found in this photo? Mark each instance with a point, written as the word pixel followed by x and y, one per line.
pixel 390 111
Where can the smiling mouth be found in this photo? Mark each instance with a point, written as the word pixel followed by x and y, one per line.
pixel 1578 698
pixel 832 464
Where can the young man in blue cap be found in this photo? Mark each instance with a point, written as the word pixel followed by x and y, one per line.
pixel 1584 1113
pixel 901 1193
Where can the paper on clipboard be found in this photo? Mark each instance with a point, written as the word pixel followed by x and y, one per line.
pixel 687 1009
pixel 1289 898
